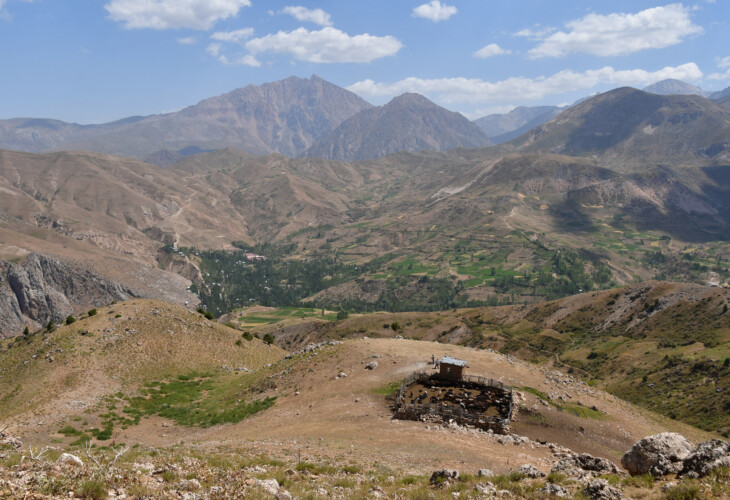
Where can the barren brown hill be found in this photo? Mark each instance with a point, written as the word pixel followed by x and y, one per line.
pixel 87 374
pixel 661 345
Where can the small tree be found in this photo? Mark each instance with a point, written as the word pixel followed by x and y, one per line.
pixel 70 319
pixel 26 331
pixel 269 339
pixel 50 326
pixel 92 312
pixel 395 326
pixel 342 314
pixel 247 335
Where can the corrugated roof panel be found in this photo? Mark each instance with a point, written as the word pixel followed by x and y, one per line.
pixel 453 361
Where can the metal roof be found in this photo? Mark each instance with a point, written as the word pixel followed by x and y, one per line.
pixel 452 361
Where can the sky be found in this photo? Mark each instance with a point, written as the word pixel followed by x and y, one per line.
pixel 94 61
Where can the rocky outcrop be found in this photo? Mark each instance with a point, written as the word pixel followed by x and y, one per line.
pixel 658 455
pixel 43 289
pixel 706 457
pixel 599 489
pixel 444 476
pixel 579 463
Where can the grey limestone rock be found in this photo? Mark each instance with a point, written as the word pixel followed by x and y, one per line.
pixel 707 456
pixel 42 289
pixel 658 455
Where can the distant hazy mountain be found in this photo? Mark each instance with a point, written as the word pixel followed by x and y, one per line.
pixel 286 116
pixel 409 122
pixel 671 86
pixel 721 94
pixel 505 127
pixel 636 124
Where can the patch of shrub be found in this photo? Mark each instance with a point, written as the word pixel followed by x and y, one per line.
pixel 92 312
pixel 92 488
pixel 70 319
pixel 683 492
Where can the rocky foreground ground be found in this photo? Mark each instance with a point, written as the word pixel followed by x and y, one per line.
pixel 661 466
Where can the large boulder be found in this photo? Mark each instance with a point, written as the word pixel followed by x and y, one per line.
pixel 707 456
pixel 658 455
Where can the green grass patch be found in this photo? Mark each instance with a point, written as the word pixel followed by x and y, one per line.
pixel 195 400
pixel 388 390
pixel 284 313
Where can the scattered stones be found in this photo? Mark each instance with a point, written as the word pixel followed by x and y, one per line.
pixel 485 473
pixel 443 476
pixel 530 471
pixel 7 438
pixel 658 455
pixel 270 486
pixel 341 375
pixel 311 348
pixel 189 485
pixel 487 489
pixel 599 489
pixel 376 492
pixel 707 456
pixel 372 365
pixel 69 459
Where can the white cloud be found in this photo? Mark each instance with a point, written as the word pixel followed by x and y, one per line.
pixel 233 36
pixel 719 76
pixel 248 60
pixel 522 89
pixel 215 49
pixel 491 50
pixel 619 34
pixel 166 14
pixel 435 11
pixel 316 16
pixel 535 34
pixel 724 62
pixel 328 45
pixel 5 15
pixel 188 40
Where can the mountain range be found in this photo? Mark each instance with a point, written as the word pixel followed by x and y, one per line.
pixel 293 117
pixel 409 122
pixel 626 162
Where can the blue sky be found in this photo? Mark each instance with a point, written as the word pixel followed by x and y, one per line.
pixel 91 61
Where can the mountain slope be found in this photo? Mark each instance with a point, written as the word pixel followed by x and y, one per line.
pixel 505 127
pixel 407 123
pixel 671 86
pixel 286 116
pixel 637 125
pixel 660 345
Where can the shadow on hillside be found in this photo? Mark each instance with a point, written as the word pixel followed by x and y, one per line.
pixel 719 192
pixel 569 217
pixel 690 228
pixel 612 121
